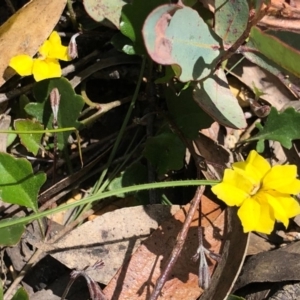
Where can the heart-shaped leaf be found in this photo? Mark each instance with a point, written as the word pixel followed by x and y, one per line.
pixel 165 151
pixel 30 141
pixel 177 35
pixel 69 110
pixel 189 117
pixel 18 184
pixel 214 96
pixel 10 236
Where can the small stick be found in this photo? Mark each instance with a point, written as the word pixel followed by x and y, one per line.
pixel 179 244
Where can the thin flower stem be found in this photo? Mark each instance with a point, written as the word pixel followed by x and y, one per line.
pixel 98 188
pixel 179 244
pixel 72 14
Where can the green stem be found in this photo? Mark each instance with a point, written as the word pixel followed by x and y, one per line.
pixel 98 188
pixel 72 15
pixel 24 220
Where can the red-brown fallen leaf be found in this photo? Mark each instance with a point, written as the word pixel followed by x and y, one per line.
pixel 136 278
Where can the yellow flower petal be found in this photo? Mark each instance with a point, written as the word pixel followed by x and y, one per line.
pixel 249 214
pixel 266 220
pixel 57 50
pixel 22 64
pixel 278 210
pixel 256 216
pixel 255 166
pixel 230 194
pixel 239 179
pixel 289 204
pixel 282 179
pixel 44 49
pixel 48 68
pixel 54 38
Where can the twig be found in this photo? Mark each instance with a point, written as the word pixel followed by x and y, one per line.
pixel 119 59
pixel 179 244
pixel 33 260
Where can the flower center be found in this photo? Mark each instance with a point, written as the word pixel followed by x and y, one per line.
pixel 255 189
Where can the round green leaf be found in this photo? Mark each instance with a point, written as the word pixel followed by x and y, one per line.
pixel 18 184
pixel 165 151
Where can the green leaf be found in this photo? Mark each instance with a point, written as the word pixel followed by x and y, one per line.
pixel 281 127
pixel 69 110
pixel 165 151
pixel 30 141
pixel 214 96
pixel 132 20
pixel 178 35
pixel 104 9
pixel 188 116
pixel 231 18
pixel 11 235
pixel 169 74
pixel 277 50
pixel 18 184
pixel 133 175
pixel 18 107
pixel 21 294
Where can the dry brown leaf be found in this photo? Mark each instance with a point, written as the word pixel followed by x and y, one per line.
pixel 26 30
pixel 111 237
pixel 137 276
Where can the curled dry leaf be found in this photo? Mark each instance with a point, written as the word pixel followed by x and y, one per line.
pixel 23 33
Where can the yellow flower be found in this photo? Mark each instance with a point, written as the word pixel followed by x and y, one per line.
pixel 262 193
pixel 46 65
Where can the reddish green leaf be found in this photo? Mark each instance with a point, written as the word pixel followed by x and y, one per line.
pixel 231 18
pixel 133 18
pixel 104 9
pixel 177 35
